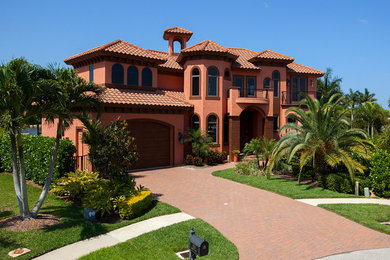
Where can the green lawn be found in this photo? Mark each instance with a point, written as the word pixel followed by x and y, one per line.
pixel 281 186
pixel 72 227
pixel 163 243
pixel 369 215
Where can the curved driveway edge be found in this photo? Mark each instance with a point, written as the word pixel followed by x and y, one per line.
pixel 316 202
pixel 262 224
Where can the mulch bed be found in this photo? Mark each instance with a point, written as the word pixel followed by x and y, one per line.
pixel 15 223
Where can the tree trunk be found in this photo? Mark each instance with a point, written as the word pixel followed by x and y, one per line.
pixel 22 175
pixel 49 176
pixel 15 174
pixel 352 115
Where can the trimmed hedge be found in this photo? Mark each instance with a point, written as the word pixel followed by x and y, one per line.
pixel 380 173
pixel 131 207
pixel 37 154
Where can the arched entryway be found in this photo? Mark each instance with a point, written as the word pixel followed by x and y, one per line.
pixel 154 142
pixel 251 125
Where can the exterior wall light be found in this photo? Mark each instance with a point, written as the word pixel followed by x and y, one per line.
pixel 312 83
pixel 181 137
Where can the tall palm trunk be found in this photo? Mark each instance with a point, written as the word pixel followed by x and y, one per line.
pixel 49 176
pixel 15 174
pixel 22 175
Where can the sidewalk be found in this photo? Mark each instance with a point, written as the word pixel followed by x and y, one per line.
pixel 81 248
pixel 316 202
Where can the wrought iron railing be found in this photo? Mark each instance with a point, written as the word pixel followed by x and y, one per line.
pixel 294 97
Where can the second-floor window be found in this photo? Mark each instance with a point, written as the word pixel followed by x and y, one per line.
pixel 132 76
pixel 250 86
pixel 212 82
pixel 117 75
pixel 90 73
pixel 147 79
pixel 238 81
pixel 298 85
pixel 275 79
pixel 267 83
pixel 195 79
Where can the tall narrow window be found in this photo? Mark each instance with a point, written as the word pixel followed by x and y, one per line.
pixel 267 83
pixel 212 86
pixel 195 82
pixel 226 129
pixel 90 73
pixel 276 123
pixel 117 74
pixel 195 121
pixel 132 76
pixel 212 127
pixel 238 81
pixel 147 80
pixel 250 86
pixel 275 79
pixel 298 86
pixel 226 75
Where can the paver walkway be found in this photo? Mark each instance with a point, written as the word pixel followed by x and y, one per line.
pixel 262 224
pixel 316 202
pixel 81 248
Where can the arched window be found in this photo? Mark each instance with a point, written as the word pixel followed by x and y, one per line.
pixel 195 121
pixel 147 77
pixel 212 86
pixel 195 78
pixel 250 85
pixel 226 129
pixel 275 79
pixel 117 74
pixel 212 127
pixel 177 46
pixel 267 83
pixel 132 76
pixel 226 75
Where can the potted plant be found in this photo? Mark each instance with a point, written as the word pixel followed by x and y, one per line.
pixel 235 155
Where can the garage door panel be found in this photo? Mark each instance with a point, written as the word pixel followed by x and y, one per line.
pixel 153 143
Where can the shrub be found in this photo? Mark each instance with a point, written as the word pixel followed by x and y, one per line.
pixel 198 161
pixel 248 168
pixel 200 142
pixel 189 159
pixel 380 173
pixel 131 207
pixel 112 150
pixel 37 154
pixel 74 184
pixel 339 182
pixel 98 196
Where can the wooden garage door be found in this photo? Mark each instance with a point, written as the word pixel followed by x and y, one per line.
pixel 153 143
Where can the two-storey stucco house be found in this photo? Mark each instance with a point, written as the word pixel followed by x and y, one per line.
pixel 233 94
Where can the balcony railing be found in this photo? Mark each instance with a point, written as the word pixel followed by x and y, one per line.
pixel 294 97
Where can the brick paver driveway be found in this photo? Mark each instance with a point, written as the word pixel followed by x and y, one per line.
pixel 262 224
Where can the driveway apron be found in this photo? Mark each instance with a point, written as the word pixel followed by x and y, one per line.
pixel 262 224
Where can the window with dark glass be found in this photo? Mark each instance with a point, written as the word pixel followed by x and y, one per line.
pixel 250 86
pixel 147 80
pixel 212 125
pixel 275 79
pixel 132 76
pixel 90 73
pixel 195 122
pixel 226 75
pixel 298 86
pixel 267 83
pixel 117 74
pixel 226 129
pixel 238 81
pixel 212 86
pixel 195 79
pixel 276 123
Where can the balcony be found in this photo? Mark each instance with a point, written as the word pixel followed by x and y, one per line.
pixel 291 98
pixel 255 96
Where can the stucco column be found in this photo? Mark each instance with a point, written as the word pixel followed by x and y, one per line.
pixel 234 135
pixel 269 127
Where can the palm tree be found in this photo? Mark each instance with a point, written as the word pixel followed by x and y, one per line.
pixel 352 99
pixel 328 85
pixel 199 141
pixel 322 137
pixel 262 148
pixel 75 99
pixel 372 117
pixel 367 96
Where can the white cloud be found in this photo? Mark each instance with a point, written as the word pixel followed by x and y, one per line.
pixel 363 21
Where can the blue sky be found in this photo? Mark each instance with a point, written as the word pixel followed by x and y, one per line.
pixel 352 37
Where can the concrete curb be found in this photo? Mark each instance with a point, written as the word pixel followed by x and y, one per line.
pixel 84 247
pixel 377 254
pixel 316 202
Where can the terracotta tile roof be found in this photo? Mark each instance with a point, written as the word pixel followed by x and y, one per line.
pixel 142 97
pixel 170 63
pixel 175 94
pixel 243 56
pixel 207 47
pixel 177 30
pixel 119 47
pixel 271 55
pixel 299 68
